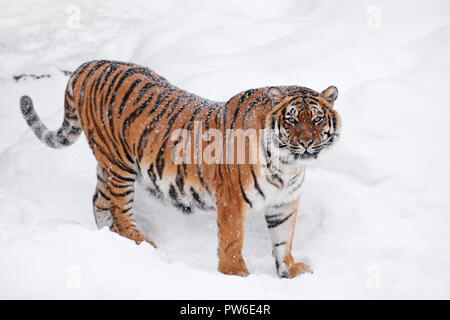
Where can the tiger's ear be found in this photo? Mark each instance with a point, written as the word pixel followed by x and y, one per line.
pixel 330 94
pixel 275 95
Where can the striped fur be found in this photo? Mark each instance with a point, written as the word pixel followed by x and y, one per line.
pixel 131 115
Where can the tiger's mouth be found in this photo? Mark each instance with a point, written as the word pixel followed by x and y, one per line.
pixel 300 152
pixel 306 155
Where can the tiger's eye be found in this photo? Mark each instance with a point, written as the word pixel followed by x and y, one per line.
pixel 291 120
pixel 317 119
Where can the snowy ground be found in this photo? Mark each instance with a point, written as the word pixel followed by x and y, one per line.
pixel 374 219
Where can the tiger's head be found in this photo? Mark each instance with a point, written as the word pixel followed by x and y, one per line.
pixel 303 121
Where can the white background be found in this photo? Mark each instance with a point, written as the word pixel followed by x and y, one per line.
pixel 374 217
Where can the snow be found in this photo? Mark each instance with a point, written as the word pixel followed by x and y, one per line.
pixel 374 216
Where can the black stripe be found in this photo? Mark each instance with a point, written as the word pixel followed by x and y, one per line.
pixel 126 95
pixel 176 202
pixel 200 203
pixel 142 139
pixel 160 99
pixel 80 71
pixel 207 121
pixel 194 114
pixel 179 180
pixel 135 114
pixel 172 120
pixel 190 123
pixel 271 182
pixel 111 69
pixel 242 189
pixel 119 177
pixel 97 83
pixel 113 160
pixel 244 97
pixel 271 216
pixel 278 205
pixel 118 186
pixel 143 91
pixel 225 113
pixel 104 195
pixel 160 115
pixel 271 223
pixel 121 195
pixel 199 168
pixel 257 187
pixel 298 186
pixel 294 178
pixel 101 208
pixel 160 161
pixel 111 98
pixel 126 210
pixel 260 99
pixel 151 173
pixel 175 104
pixel 278 178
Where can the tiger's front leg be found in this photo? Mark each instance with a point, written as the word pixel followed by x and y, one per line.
pixel 230 225
pixel 280 221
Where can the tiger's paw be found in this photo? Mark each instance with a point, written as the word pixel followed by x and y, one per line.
pixel 139 238
pixel 144 239
pixel 234 270
pixel 297 269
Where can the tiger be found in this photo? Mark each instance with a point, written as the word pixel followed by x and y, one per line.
pixel 134 120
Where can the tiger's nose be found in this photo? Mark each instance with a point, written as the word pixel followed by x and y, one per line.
pixel 306 143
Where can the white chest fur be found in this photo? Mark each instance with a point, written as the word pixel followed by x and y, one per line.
pixel 278 188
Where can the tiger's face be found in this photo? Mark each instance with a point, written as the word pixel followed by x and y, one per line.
pixel 307 122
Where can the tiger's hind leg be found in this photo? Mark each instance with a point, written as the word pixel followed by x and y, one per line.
pixel 120 185
pixel 101 203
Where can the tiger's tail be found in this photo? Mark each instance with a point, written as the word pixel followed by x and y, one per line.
pixel 64 136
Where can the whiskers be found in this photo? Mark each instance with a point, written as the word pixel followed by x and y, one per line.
pixel 297 151
pixel 326 142
pixel 300 152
